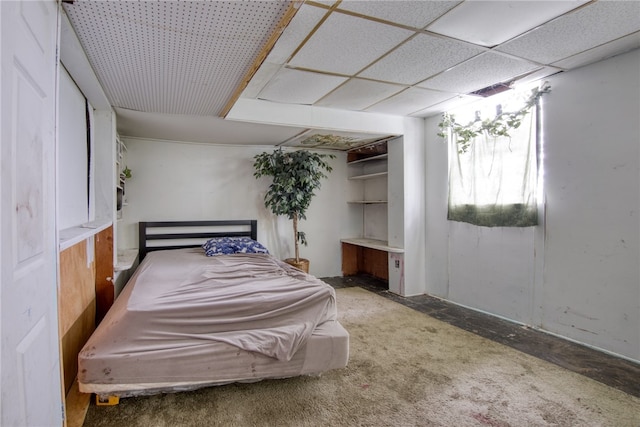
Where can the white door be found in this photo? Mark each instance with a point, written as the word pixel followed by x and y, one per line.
pixel 30 368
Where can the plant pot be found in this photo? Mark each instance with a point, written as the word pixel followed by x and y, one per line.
pixel 303 264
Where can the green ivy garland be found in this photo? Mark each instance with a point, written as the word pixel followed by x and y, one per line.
pixel 498 126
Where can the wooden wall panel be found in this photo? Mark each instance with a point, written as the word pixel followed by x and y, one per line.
pixel 86 272
pixel 73 341
pixel 358 259
pixel 375 262
pixel 349 259
pixel 76 304
pixel 77 284
pixel 104 273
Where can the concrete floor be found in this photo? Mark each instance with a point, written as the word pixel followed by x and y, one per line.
pixel 613 371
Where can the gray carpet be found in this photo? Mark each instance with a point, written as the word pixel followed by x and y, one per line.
pixel 405 369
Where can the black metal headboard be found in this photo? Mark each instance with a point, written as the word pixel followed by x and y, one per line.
pixel 159 235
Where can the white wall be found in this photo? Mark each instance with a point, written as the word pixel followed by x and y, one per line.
pixel 104 157
pixel 73 164
pixel 592 275
pixel 414 218
pixel 578 276
pixel 436 224
pixel 189 181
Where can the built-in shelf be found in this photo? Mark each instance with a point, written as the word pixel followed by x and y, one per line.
pixel 369 175
pixel 70 236
pixel 126 259
pixel 369 159
pixel 367 202
pixel 381 245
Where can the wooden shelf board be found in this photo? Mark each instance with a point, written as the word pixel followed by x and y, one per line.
pixel 381 245
pixel 368 176
pixel 70 236
pixel 368 159
pixel 367 202
pixel 126 259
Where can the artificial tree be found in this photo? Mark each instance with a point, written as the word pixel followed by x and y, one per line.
pixel 295 176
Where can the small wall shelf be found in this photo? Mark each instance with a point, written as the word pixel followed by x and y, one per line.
pixel 70 236
pixel 380 245
pixel 369 159
pixel 369 175
pixel 126 259
pixel 370 253
pixel 367 202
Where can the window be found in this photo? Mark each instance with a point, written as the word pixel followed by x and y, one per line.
pixel 493 179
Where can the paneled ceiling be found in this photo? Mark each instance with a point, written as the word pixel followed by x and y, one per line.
pixel 173 69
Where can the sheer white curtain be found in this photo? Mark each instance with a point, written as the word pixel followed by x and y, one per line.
pixel 493 183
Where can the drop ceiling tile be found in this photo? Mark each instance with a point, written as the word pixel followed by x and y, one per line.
pixel 479 72
pixel 410 101
pixel 420 58
pixel 344 44
pixel 300 26
pixel 601 52
pixel 447 105
pixel 415 14
pixel 261 77
pixel 476 21
pixel 536 75
pixel 577 31
pixel 358 94
pixel 299 87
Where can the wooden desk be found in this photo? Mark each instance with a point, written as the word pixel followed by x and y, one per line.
pixel 367 256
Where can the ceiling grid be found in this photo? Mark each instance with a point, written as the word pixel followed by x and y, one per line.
pixel 397 57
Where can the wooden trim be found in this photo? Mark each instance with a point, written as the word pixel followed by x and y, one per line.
pixel 77 404
pixel 104 273
pixel 286 19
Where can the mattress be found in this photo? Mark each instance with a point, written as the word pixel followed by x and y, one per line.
pixel 186 320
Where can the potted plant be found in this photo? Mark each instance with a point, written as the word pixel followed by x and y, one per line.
pixel 295 176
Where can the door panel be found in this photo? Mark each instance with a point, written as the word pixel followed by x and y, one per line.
pixel 30 364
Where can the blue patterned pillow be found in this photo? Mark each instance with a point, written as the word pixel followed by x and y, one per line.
pixel 232 245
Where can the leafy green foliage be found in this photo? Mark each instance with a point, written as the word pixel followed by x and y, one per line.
pixel 295 177
pixel 302 237
pixel 500 125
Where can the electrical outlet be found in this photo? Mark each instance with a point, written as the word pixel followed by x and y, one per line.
pixel 397 263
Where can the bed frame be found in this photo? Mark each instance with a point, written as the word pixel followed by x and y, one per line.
pixel 160 235
pixel 327 347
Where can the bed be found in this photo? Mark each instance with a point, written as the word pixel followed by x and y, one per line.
pixel 186 320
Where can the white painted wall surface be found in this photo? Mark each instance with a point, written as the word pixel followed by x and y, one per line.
pixel 492 269
pixel 592 169
pixel 188 181
pixel 73 193
pixel 104 155
pixel 395 214
pixel 413 158
pixel 587 286
pixel 437 226
pixel 395 192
